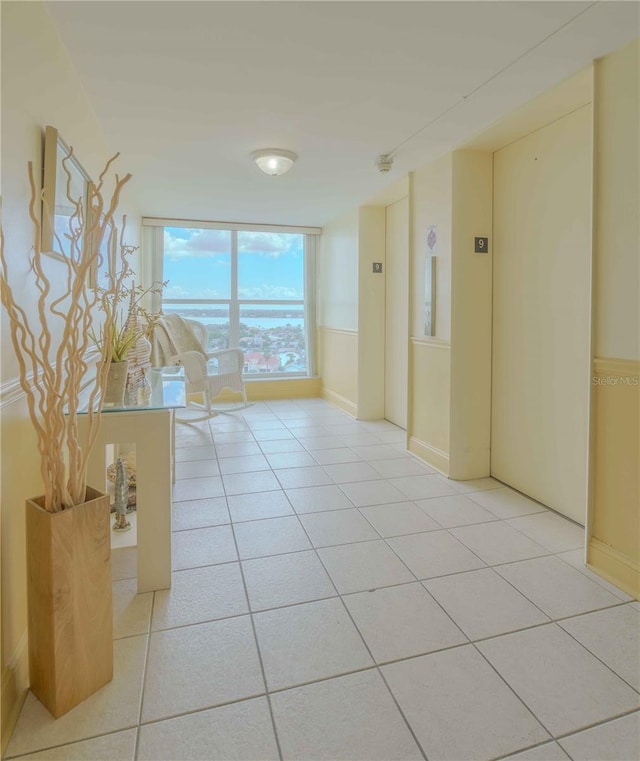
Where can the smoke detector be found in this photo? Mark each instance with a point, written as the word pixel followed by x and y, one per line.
pixel 384 162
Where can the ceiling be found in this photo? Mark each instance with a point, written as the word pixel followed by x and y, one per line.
pixel 187 90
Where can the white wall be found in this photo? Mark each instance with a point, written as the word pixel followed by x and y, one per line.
pixel 617 222
pixel 337 311
pixel 431 198
pixel 430 203
pixel 471 302
pixel 39 88
pixel 337 274
pixel 614 548
pixel 371 313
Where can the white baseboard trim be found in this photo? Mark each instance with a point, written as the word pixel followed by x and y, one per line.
pixel 614 566
pixel 340 401
pixel 433 456
pixel 15 687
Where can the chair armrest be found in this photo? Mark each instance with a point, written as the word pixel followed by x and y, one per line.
pixel 195 365
pixel 227 361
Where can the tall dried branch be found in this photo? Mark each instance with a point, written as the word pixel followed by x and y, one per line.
pixel 51 342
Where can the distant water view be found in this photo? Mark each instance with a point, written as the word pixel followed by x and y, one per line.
pixel 254 318
pixel 273 339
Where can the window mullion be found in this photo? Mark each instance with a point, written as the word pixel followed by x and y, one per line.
pixel 234 306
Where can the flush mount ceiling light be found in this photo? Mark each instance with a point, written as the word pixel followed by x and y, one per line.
pixel 274 161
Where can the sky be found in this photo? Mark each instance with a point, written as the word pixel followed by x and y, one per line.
pixel 197 264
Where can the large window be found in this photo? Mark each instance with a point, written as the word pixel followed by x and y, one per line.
pixel 249 288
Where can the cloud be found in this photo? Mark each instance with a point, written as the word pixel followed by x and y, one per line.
pixel 200 243
pixel 269 244
pixel 185 242
pixel 178 292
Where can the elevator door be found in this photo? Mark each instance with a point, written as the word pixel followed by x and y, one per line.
pixel 541 313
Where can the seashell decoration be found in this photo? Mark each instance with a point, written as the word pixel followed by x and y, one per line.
pixel 138 390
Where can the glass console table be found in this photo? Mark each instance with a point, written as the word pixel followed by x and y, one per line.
pixel 151 428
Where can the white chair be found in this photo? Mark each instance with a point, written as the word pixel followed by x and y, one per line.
pixel 177 341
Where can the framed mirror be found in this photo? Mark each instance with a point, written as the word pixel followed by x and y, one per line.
pixel 430 296
pixel 60 188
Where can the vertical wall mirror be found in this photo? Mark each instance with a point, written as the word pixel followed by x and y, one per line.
pixel 62 185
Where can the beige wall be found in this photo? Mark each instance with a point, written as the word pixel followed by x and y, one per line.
pixel 471 304
pixel 350 353
pixel 337 274
pixel 39 87
pixel 617 200
pixel 430 204
pixel 614 531
pixel 371 312
pixel 337 309
pixel 430 197
pixel 430 401
pixel 338 362
pixel 396 336
pixel 450 373
pixel 614 525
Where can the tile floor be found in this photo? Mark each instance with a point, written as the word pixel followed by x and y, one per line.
pixel 334 598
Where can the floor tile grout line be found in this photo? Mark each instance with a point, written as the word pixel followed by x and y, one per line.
pixel 257 644
pixel 619 603
pixel 194 711
pixel 439 527
pixel 470 639
pixel 386 684
pixel 368 649
pixel 511 689
pixel 72 742
pixel 553 618
pixel 494 519
pixel 547 553
pixel 601 582
pixel 593 725
pixel 375 666
pixel 145 668
pixel 402 713
pixel 597 657
pixel 348 544
pixel 549 619
pixel 560 735
pixel 417 577
pixel 534 540
pixel 509 755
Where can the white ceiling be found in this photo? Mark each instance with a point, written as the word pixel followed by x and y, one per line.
pixel 186 90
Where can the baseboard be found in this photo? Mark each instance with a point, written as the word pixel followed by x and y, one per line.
pixel 15 687
pixel 281 388
pixel 434 457
pixel 340 401
pixel 615 567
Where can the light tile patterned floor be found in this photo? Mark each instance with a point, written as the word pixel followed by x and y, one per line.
pixel 335 598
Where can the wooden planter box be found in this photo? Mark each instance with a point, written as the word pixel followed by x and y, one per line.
pixel 69 601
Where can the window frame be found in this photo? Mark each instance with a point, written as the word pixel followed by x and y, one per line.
pixel 153 263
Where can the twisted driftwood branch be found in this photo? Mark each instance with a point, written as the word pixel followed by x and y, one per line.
pixel 52 369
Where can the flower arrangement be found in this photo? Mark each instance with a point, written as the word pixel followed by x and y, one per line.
pixel 132 323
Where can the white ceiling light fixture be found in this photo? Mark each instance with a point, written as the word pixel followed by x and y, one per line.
pixel 274 161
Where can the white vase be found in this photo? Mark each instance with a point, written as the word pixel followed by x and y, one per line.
pixel 116 384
